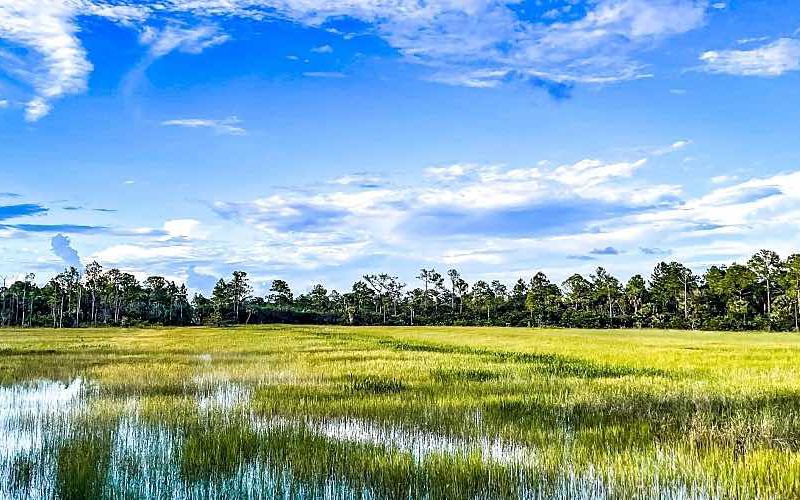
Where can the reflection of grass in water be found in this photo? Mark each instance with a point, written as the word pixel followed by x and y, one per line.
pixel 217 449
pixel 220 449
pixel 628 414
pixel 82 465
pixel 22 470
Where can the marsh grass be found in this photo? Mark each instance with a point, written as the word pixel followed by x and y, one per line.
pixel 283 411
pixel 456 375
pixel 545 363
pixel 373 384
pixel 82 464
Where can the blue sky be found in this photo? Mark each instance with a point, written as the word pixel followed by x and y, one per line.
pixel 318 141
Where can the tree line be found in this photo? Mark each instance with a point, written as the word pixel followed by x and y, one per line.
pixel 762 294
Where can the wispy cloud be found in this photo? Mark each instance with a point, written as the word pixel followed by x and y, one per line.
pixel 322 49
pixel 48 29
pixel 191 40
pixel 481 43
pixel 772 59
pixel 228 126
pixel 361 180
pixel 162 41
pixel 324 74
pixel 722 179
pixel 449 172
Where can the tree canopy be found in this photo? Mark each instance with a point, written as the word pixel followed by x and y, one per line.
pixel 764 293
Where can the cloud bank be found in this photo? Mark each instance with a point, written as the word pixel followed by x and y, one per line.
pixel 481 43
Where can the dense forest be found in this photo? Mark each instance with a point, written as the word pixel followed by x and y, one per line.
pixel 762 294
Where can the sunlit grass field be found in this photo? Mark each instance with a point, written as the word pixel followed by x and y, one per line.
pixel 297 412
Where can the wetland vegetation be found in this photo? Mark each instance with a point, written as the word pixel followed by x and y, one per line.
pixel 355 412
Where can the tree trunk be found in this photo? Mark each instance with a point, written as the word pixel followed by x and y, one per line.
pixel 797 308
pixel 686 299
pixel 769 302
pixel 78 309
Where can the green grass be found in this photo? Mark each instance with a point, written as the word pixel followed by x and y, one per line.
pixel 405 412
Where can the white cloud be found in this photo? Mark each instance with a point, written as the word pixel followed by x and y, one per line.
pixel 184 229
pixel 36 108
pixel 456 257
pixel 322 49
pixel 672 148
pixel 449 172
pixel 3 103
pixel 46 28
pixel 138 254
pixel 773 59
pixel 587 174
pixel 175 38
pixel 228 126
pixel 479 43
pixel 360 179
pixel 324 74
pixel 678 145
pixel 464 219
pixel 482 218
pixel 723 179
pixel 334 226
pixel 57 64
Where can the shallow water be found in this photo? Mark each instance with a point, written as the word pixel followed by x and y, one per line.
pixel 37 419
pixel 24 407
pixel 419 443
pixel 134 455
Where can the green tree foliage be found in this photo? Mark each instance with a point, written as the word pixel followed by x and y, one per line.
pixel 763 294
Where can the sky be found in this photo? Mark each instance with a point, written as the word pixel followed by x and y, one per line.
pixel 316 141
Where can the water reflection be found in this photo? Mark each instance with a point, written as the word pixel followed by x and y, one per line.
pixel 59 440
pixel 24 408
